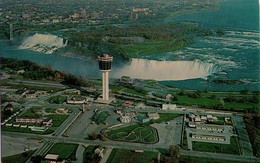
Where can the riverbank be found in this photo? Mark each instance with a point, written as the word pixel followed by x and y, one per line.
pixel 215 8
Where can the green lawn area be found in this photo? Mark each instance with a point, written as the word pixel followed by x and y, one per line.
pixel 126 156
pixel 200 101
pixel 22 157
pixel 133 92
pixel 164 117
pixel 124 129
pixel 57 99
pixel 240 106
pixel 134 133
pixel 32 112
pixel 100 116
pixel 231 148
pixel 133 50
pixel 50 110
pixel 57 119
pixel 64 150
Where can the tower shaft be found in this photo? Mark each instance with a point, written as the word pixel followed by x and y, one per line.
pixel 105 82
pixel 105 63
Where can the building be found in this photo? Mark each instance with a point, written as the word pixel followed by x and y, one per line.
pixel 210 127
pixel 208 137
pixel 105 64
pixel 119 112
pixel 127 104
pixel 126 80
pixel 153 116
pixel 169 107
pixel 44 120
pixel 192 124
pixel 53 158
pixel 125 119
pixel 197 118
pixel 77 100
pixel 21 71
pixel 203 118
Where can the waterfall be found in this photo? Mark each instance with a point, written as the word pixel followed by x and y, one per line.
pixel 166 70
pixel 46 43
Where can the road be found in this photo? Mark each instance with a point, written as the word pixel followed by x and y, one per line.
pixel 66 124
pixel 38 83
pixel 79 154
pixel 130 146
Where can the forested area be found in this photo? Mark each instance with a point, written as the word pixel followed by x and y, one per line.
pixel 36 72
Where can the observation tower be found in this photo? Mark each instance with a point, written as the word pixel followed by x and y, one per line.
pixel 105 64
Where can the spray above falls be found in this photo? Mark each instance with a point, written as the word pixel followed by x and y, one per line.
pixel 46 43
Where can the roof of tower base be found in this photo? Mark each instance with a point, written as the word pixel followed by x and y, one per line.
pixel 105 55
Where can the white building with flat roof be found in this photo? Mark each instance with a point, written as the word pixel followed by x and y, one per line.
pixel 125 119
pixel 169 107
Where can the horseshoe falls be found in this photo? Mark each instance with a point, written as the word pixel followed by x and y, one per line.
pixel 166 70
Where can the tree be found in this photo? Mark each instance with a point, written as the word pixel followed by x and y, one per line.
pixel 36 159
pixel 94 135
pixel 174 152
pixel 103 137
pixel 244 92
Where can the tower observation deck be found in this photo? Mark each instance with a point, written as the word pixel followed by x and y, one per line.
pixel 105 64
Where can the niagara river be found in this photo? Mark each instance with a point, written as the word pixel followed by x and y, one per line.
pixel 232 56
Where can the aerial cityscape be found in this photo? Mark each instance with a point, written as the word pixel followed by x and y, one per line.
pixel 128 81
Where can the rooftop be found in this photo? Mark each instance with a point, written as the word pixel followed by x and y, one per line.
pixel 105 56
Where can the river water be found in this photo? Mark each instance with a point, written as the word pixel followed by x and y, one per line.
pixel 234 55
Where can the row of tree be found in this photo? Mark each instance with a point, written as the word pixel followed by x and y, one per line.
pixel 36 72
pixel 252 121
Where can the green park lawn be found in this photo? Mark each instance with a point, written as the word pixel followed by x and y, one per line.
pixel 100 116
pixel 164 117
pixel 134 133
pixel 231 148
pixel 18 158
pixel 57 99
pixel 32 112
pixel 50 110
pixel 126 156
pixel 200 101
pixel 57 119
pixel 64 150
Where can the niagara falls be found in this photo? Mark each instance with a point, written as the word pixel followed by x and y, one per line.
pixel 166 70
pixel 46 43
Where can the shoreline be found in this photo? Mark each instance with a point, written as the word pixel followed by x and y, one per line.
pixel 177 13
